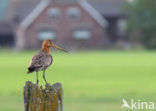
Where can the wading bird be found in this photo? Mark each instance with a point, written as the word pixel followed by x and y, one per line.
pixel 43 59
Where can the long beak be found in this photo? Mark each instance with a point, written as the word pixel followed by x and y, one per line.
pixel 59 48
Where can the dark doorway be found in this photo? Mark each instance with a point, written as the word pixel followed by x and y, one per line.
pixel 112 29
pixel 7 40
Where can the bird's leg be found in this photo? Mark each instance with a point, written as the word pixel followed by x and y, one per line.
pixel 44 76
pixel 37 77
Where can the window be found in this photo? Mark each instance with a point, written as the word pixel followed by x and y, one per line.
pixel 46 34
pixel 82 34
pixel 54 13
pixel 73 13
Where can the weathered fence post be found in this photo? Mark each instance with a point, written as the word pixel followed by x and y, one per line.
pixel 38 99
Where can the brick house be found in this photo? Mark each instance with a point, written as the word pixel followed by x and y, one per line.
pixel 71 24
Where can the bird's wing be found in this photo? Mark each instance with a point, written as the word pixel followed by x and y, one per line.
pixel 47 60
pixel 40 59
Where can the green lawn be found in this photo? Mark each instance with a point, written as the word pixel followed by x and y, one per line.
pixel 92 81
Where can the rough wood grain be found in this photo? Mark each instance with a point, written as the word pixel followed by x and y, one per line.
pixel 38 99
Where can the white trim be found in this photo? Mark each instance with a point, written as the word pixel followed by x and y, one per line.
pixel 34 14
pixel 93 12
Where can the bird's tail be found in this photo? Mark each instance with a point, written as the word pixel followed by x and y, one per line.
pixel 30 70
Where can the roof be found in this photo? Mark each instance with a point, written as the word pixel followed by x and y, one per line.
pixel 34 14
pixel 93 12
pixel 108 7
pixel 20 8
pixel 44 3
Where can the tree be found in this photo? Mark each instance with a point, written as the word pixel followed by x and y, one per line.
pixel 142 18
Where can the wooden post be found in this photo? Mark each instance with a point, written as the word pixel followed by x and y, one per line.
pixel 38 99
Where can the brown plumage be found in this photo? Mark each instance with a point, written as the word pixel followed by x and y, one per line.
pixel 43 59
pixel 40 61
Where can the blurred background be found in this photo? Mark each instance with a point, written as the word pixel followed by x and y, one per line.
pixel 112 45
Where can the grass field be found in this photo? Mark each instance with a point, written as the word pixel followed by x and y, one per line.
pixel 92 81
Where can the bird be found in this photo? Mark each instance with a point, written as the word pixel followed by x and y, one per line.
pixel 125 104
pixel 43 59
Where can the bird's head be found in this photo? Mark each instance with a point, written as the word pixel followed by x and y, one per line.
pixel 49 43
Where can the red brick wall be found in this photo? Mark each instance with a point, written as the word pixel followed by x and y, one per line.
pixel 64 27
